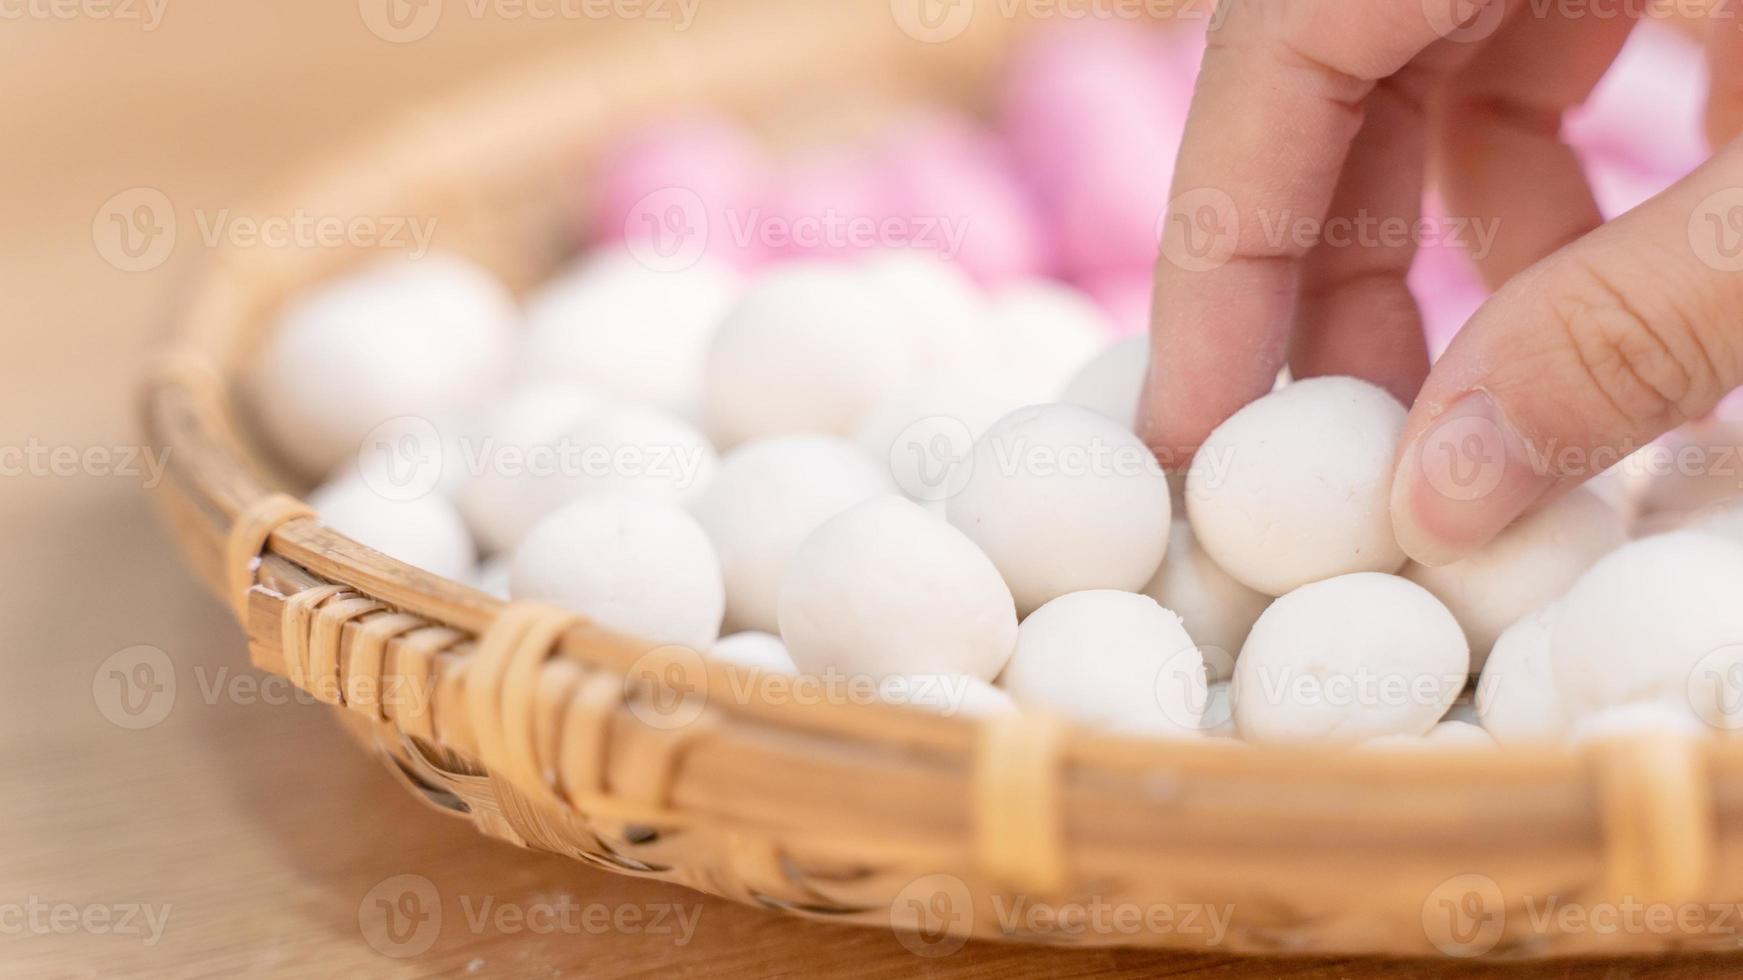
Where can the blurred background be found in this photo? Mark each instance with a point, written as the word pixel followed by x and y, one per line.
pixel 236 830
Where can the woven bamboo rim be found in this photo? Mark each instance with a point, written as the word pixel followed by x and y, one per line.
pixel 553 734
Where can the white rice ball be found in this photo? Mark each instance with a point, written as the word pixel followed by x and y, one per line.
pixel 1219 710
pixel 637 566
pixel 1623 486
pixel 1349 659
pixel 757 651
pixel 947 694
pixel 923 433
pixel 809 348
pixel 1064 500
pixel 1113 382
pixel 1465 710
pixel 1693 467
pixel 769 495
pixel 513 449
pixel 1529 564
pixel 1043 333
pixel 937 306
pixel 1218 611
pixel 1447 734
pixel 615 325
pixel 1647 621
pixel 1516 696
pixel 632 449
pixel 887 588
pixel 425 532
pixel 411 456
pixel 1723 519
pixel 625 450
pixel 424 338
pixel 1296 487
pixel 491 577
pixel 1652 717
pixel 1110 660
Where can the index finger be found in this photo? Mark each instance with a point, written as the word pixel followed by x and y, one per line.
pixel 1279 100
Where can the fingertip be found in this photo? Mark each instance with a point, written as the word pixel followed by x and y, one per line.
pixel 1461 480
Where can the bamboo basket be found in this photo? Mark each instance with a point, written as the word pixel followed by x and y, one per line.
pixel 552 734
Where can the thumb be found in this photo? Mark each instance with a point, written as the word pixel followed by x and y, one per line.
pixel 1592 352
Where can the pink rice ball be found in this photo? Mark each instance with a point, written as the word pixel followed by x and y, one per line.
pixel 677 189
pixel 824 206
pixel 963 203
pixel 1645 115
pixel 1445 282
pixel 1125 297
pixel 1094 113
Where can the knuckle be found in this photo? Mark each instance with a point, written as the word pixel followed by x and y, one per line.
pixel 1637 346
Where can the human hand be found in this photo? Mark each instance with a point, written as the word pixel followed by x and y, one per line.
pixel 1601 336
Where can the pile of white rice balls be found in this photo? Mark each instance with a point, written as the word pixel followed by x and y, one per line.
pixel 877 472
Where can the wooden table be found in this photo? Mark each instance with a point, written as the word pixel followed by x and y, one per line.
pixel 243 823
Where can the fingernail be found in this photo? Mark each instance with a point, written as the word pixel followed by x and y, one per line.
pixel 1462 481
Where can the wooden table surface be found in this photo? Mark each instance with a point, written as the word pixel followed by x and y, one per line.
pixel 243 834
